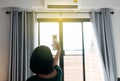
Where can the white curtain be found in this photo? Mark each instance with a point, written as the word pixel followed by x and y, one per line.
pixel 101 20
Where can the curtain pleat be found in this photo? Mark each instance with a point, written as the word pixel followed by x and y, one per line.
pixel 103 28
pixel 21 45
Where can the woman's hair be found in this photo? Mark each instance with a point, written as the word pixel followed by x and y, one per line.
pixel 41 61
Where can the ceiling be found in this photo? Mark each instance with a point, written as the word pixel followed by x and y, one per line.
pixel 42 4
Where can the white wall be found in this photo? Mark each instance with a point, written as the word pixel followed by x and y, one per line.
pixel 22 3
pixel 4 44
pixel 116 32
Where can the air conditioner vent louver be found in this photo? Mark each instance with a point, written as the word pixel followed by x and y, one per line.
pixel 63 6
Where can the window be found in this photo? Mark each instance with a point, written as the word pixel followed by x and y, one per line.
pixel 72 37
pixel 79 61
pixel 47 30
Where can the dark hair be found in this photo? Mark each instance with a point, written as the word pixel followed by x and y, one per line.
pixel 41 61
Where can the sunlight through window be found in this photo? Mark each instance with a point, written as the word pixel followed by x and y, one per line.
pixel 72 45
pixel 47 30
pixel 72 38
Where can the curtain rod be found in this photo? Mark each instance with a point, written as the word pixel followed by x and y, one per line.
pixel 62 12
pixel 112 12
pixel 55 12
pixel 7 12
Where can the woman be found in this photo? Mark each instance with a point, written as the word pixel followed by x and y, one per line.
pixel 44 65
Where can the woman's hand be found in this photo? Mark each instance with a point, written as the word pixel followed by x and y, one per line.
pixel 57 45
pixel 57 56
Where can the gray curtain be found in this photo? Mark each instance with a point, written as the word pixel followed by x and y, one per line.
pixel 21 45
pixel 103 27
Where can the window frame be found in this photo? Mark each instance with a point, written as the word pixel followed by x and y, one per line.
pixel 60 21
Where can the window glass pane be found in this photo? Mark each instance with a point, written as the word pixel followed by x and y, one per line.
pixel 72 37
pixel 92 60
pixel 47 30
pixel 73 68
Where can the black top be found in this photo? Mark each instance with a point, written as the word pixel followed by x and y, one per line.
pixel 58 77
